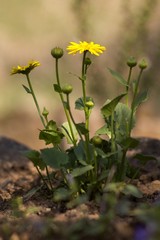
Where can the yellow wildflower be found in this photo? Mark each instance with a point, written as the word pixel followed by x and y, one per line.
pixel 25 69
pixel 81 47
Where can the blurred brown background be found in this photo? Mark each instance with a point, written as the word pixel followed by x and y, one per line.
pixel 30 29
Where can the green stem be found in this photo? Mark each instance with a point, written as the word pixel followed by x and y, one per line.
pixel 41 176
pixel 35 100
pixel 123 166
pixel 95 164
pixel 71 116
pixel 133 101
pixel 49 179
pixel 128 82
pixel 85 108
pixel 113 147
pixel 63 102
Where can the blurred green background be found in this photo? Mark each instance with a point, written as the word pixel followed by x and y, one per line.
pixel 30 29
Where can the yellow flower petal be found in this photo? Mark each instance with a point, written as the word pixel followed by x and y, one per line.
pixel 83 46
pixel 25 69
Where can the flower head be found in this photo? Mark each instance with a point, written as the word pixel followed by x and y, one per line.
pixel 25 69
pixel 81 47
pixel 131 62
pixel 143 64
pixel 57 52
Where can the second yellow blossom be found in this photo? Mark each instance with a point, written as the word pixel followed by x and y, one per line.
pixel 25 69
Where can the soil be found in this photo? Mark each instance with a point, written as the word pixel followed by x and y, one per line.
pixel 34 216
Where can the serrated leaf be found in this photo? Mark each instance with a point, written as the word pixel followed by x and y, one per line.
pixel 54 158
pixel 50 137
pixel 109 108
pixel 122 121
pixel 118 77
pixel 81 170
pixel 27 89
pixel 51 134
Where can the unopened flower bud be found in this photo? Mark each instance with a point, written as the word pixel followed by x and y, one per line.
pixel 97 140
pixel 87 61
pixel 89 104
pixel 143 64
pixel 131 62
pixel 67 89
pixel 57 52
pixel 45 112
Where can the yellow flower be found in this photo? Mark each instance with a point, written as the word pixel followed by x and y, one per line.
pixel 81 47
pixel 25 69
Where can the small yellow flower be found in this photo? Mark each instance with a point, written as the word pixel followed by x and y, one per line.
pixel 81 47
pixel 25 69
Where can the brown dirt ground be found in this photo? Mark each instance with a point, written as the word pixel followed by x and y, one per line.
pixel 40 218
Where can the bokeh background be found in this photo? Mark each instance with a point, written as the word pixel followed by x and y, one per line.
pixel 30 29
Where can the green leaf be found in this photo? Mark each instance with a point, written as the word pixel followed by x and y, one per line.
pixel 51 134
pixel 57 88
pixel 61 194
pixel 118 77
pixel 122 120
pixel 81 170
pixel 27 89
pixel 134 83
pixel 104 175
pixel 54 158
pixel 144 158
pixel 81 128
pixel 80 153
pixel 129 143
pixel 132 190
pixel 109 108
pixel 31 192
pixel 36 159
pixel 67 132
pixel 140 98
pixel 79 104
pixel 103 131
pixel 52 125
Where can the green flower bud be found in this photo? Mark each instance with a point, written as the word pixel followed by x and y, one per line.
pixel 87 61
pixel 131 62
pixel 45 112
pixel 97 140
pixel 57 52
pixel 67 89
pixel 143 64
pixel 89 104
